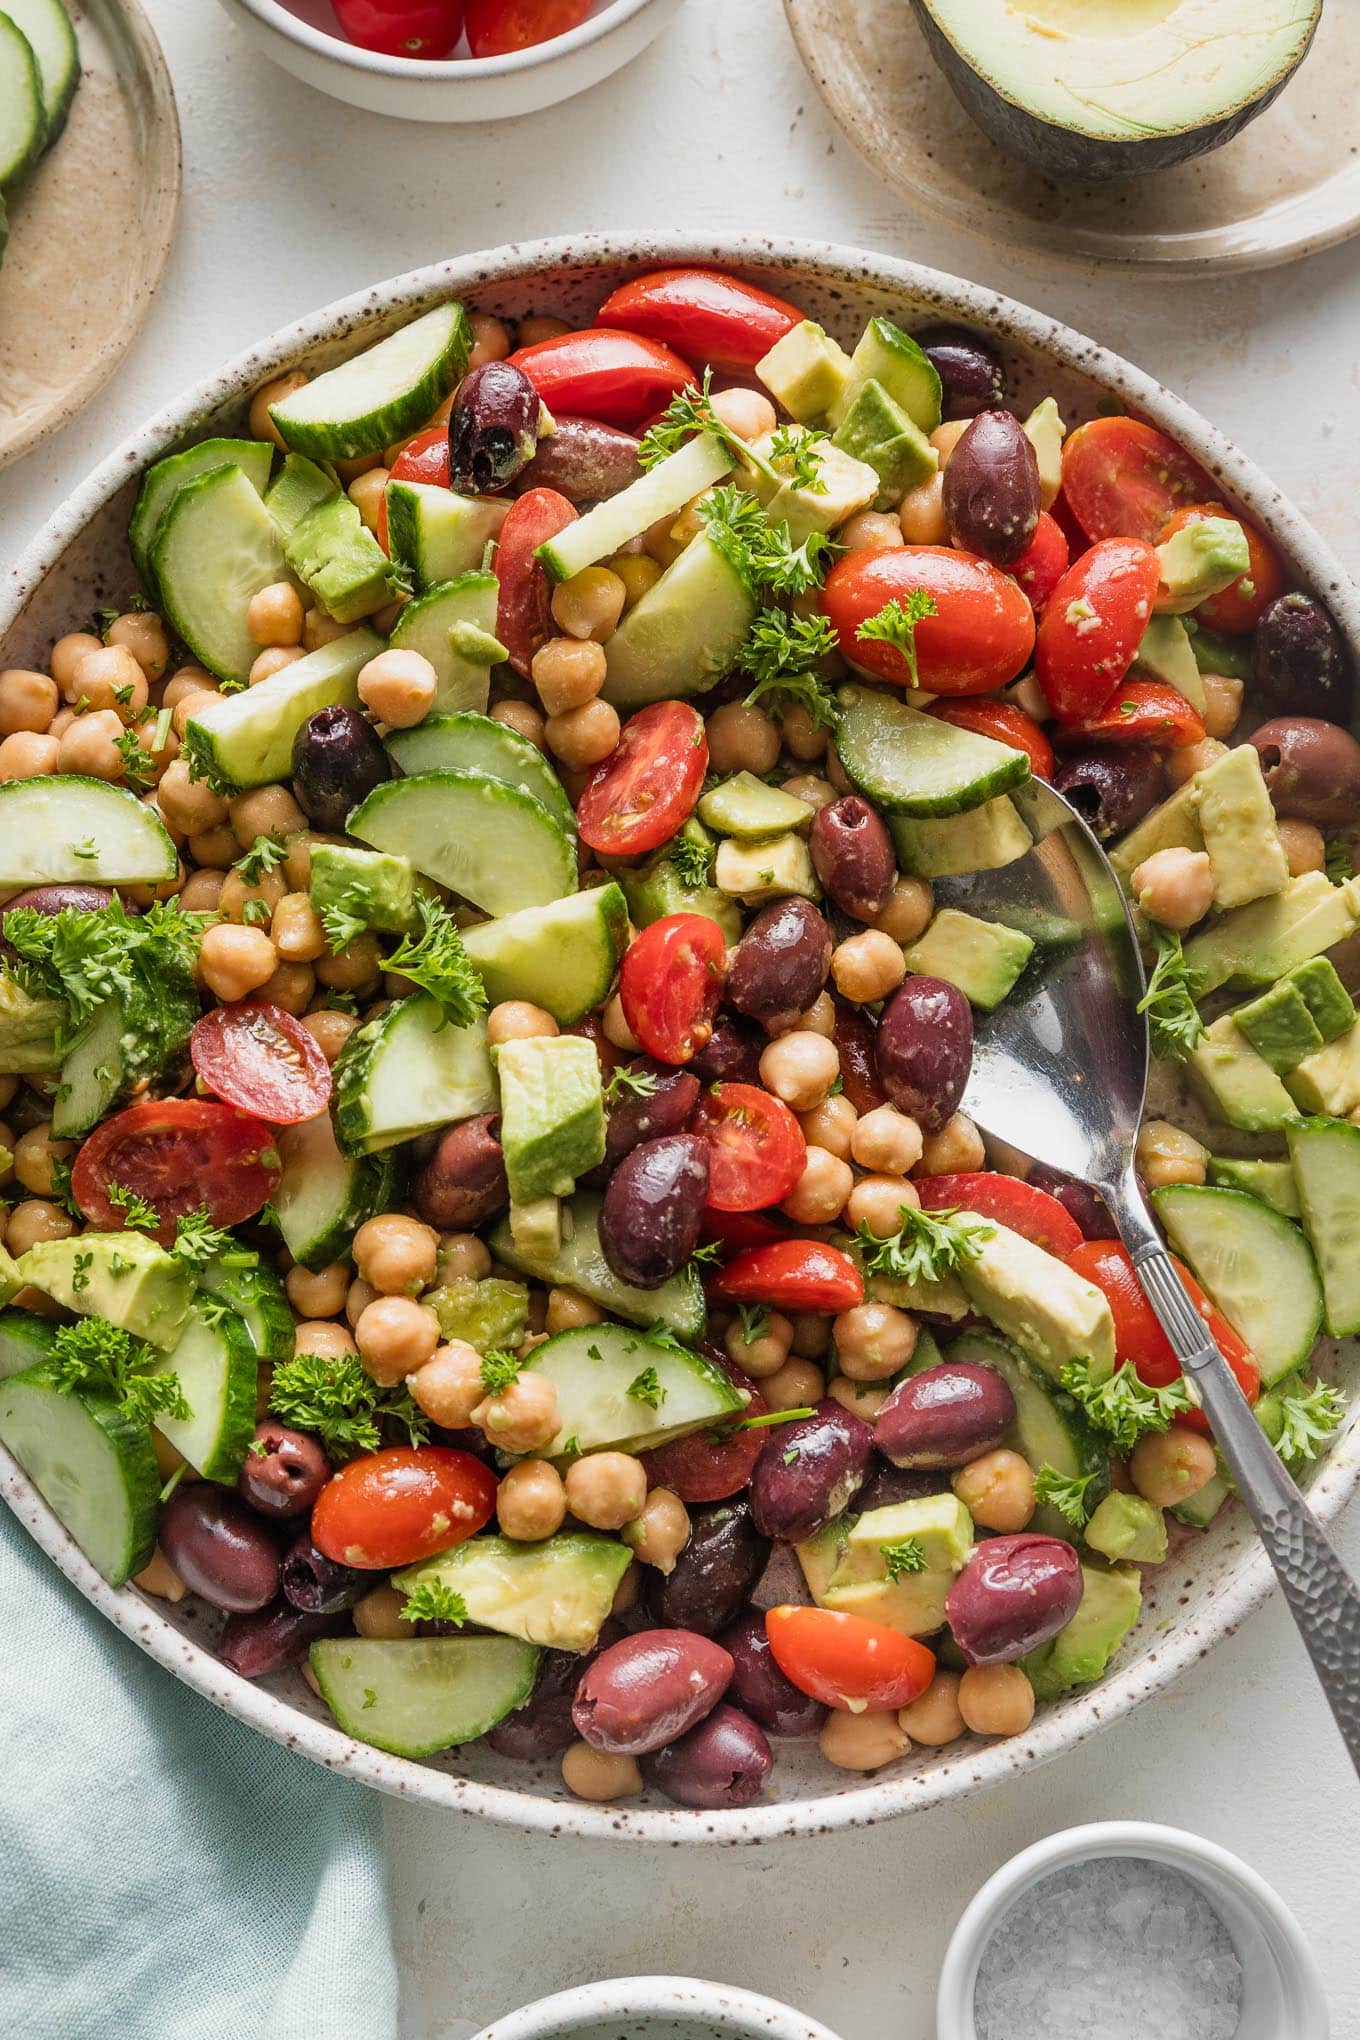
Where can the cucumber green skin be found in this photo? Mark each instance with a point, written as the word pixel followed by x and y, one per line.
pixel 258 1297
pixel 22 831
pixel 119 1541
pixel 567 1356
pixel 382 820
pixel 153 1045
pixel 470 742
pixel 236 1426
pixel 463 686
pixel 873 723
pixel 351 1668
pixel 47 25
pixel 162 482
pixel 662 491
pixel 1333 1243
pixel 231 766
pixel 351 1078
pixel 26 1340
pixel 1050 1429
pixel 22 82
pixel 580 1264
pixel 370 1187
pixel 568 987
pixel 187 508
pixel 1195 1215
pixel 404 412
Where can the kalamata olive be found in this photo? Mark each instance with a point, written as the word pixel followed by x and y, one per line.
pixel 320 1585
pixel 731 1055
pixel 1081 1200
pixel 653 1208
pixel 338 758
pixel 273 1638
pixel 635 1116
pixel 713 1576
pixel 853 856
pixel 648 1689
pixel 463 1182
pixel 1013 1594
pixel 889 1484
pixel 542 1728
pixel 582 460
pixel 855 1037
pixel 1111 786
pixel 808 1470
pixel 283 1471
pixel 971 377
pixel 493 428
pixel 991 489
pixel 925 1049
pixel 780 964
pixel 773 1702
pixel 1300 659
pixel 725 1761
pixel 1312 768
pixel 220 1549
pixel 50 899
pixel 944 1416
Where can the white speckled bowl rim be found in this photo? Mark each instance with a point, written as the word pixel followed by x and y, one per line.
pixel 275 15
pixel 679 1998
pixel 1213 1582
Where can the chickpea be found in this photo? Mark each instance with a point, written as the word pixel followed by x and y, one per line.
pixel 490 339
pixel 531 1501
pixel 874 1341
pixel 1222 709
pixel 216 848
pixel 606 1489
pixel 589 605
pixel 866 967
pixel 523 1417
pixel 1169 1467
pixel 583 736
pixel 34 1220
pixel 395 1337
pixel 329 1030
pixel 861 1398
pixel 1166 1155
pixel 637 572
pixel 262 426
pixel 820 1193
pixel 811 1334
pixel 997 1490
pixel 765 1353
pixel 319 629
pixel 659 1534
pixel 592 1774
pixel 366 493
pixel 380 1614
pixel 518 1020
pixel 798 1385
pixel 396 1255
pixel 1184 764
pixel 327 1340
pixel 142 633
pixel 921 513
pixel 804 738
pixel 1304 846
pixel 956 1149
pixel 318 1293
pixel 871 531
pixel 190 705
pixel 878 1201
pixel 462 1256
pixel 265 811
pixel 296 929
pixel 523 718
pixel 233 962
pixel 8 1137
pixel 65 653
pixel 27 755
pixel 261 898
pixel 741 739
pixel 615 1026
pixel 1026 694
pixel 887 1141
pixel 568 673
pixel 34 1153
pixel 831 1125
pixel 820 1017
pixel 159 1577
pixel 863 1742
pixel 566 1311
pixel 996 1699
pixel 274 616
pixel 354 968
pixel 947 436
pixel 808 786
pixel 399 688
pixel 748 413
pixel 90 746
pixel 449 1386
pixel 274 659
pixel 911 904
pixel 1175 887
pixel 28 701
pixel 358 1297
pixel 934 1718
pixel 541 326
pixel 110 678
pixel 800 1068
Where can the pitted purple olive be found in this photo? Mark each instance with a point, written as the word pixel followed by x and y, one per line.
pixel 991 489
pixel 853 856
pixel 463 1183
pixel 711 1580
pixel 582 460
pixel 725 1761
pixel 780 964
pixel 971 377
pixel 1312 769
pixel 1111 787
pixel 1300 659
pixel 653 1208
pixel 667 1106
pixel 1013 1594
pixel 338 759
pixel 649 1689
pixel 809 1470
pixel 493 428
pixel 944 1416
pixel 925 1050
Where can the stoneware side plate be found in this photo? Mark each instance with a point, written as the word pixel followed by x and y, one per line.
pixel 79 562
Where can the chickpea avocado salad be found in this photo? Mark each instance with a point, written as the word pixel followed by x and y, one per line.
pixel 493 1214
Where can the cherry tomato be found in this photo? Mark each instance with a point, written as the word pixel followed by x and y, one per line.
pixel 423 459
pixel 1093 625
pixel 756 1149
pixel 1040 569
pixel 181 1155
pixel 258 1057
pixel 402 28
pixel 495 27
pixel 1124 479
pixel 1138 1335
pixel 1240 607
pixel 704 314
pixel 795 1275
pixel 671 982
pixel 710 1465
pixel 1005 722
pixel 846 1661
pixel 524 619
pixel 735 1231
pixel 402 1504
pixel 645 790
pixel 615 378
pixel 979 638
pixel 1021 1206
pixel 1141 712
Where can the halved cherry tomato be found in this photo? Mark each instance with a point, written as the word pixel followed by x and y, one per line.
pixel 756 1149
pixel 704 314
pixel 1240 607
pixel 1005 722
pixel 1093 624
pixel 1124 479
pixel 1138 1335
pixel 258 1057
pixel 671 982
pixel 710 1465
pixel 402 28
pixel 979 638
pixel 1010 1201
pixel 524 619
pixel 423 459
pixel 846 1661
pixel 735 1231
pixel 181 1155
pixel 401 1504
pixel 616 378
pixel 1141 712
pixel 495 27
pixel 1040 569
pixel 645 790
pixel 795 1275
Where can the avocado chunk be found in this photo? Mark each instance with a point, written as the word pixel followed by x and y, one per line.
pixel 745 806
pixel 552 1114
pixel 1173 825
pixel 122 1276
pixel 1237 821
pixel 1329 1003
pixel 660 887
pixel 1329 1081
pixel 296 491
pixel 1045 431
pixel 879 432
pixel 1126 1527
pixel 1279 1026
pixel 893 1565
pixel 770 869
pixel 844 485
pixel 805 372
pixel 983 958
pixel 340 560
pixel 1079 1654
pixel 28 1031
pixel 1201 559
pixel 556 1593
pixel 536 1228
pixel 1215 653
pixel 1165 654
pixel 371 886
pixel 11 1281
pixel 946 1298
pixel 940 1524
pixel 1258 943
pixel 1272 1182
pixel 1235 1083
pixel 942 846
pixel 888 356
pixel 1053 1314
pixel 490 1313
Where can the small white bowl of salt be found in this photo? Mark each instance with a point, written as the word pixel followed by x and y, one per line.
pixel 1124 1931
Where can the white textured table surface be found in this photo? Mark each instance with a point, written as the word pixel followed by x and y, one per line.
pixel 291 200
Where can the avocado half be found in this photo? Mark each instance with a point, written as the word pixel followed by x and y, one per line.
pixel 1091 90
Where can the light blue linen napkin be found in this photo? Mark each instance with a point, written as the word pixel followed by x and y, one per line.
pixel 167 1873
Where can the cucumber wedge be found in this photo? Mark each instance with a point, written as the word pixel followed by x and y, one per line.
pixel 1326 1158
pixel 251 1288
pixel 454 627
pixel 163 482
pixel 557 1593
pixel 908 763
pixel 1049 1428
pixel 662 492
pixel 299 488
pixel 23 125
pixel 562 957
pixel 219 1373
pixel 26 1340
pixel 52 40
pixel 247 739
pixel 477 743
pixel 426 1695
pixel 481 838
pixel 594 1367
pixel 126 1043
pixel 407 1073
pixel 1257 1267
pixel 579 1263
pixel 215 547
pixel 385 393
pixel 91 1464
pixel 684 633
pixel 943 846
pixel 439 535
pixel 323 1196
pixel 65 830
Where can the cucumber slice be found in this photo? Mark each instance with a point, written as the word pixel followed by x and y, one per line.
pixel 426 1695
pixel 91 1464
pixel 219 1373
pixel 1049 1428
pixel 251 1288
pixel 247 739
pixel 1326 1158
pixel 556 1593
pixel 438 534
pixel 124 1045
pixel 52 40
pixel 214 549
pixel 385 393
pixel 23 125
pixel 407 1073
pixel 454 627
pixel 481 838
pixel 323 1196
pixel 908 763
pixel 662 492
pixel 477 743
pixel 593 1367
pixel 163 482
pixel 1257 1267
pixel 943 846
pixel 890 357
pixel 26 1340
pixel 1200 1510
pixel 300 488
pixel 66 830
pixel 684 633
pixel 562 957
pixel 579 1263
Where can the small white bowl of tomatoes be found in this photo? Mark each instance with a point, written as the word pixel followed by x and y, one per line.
pixel 452 60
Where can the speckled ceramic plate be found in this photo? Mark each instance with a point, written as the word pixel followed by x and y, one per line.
pixel 80 562
pixel 72 300
pixel 1289 183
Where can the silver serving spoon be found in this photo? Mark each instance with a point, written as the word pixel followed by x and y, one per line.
pixel 1059 1075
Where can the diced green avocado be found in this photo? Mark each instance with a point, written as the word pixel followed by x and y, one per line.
pixel 983 958
pixel 300 485
pixel 1126 1527
pixel 1173 825
pixel 1053 1314
pixel 887 355
pixel 1237 821
pixel 913 1603
pixel 659 887
pixel 1258 943
pixel 852 1567
pixel 1236 1084
pixel 683 634
pixel 1272 1182
pixel 1214 653
pixel 768 870
pixel 536 1229
pixel 940 1524
pixel 556 1593
pixel 1045 431
pixel 1203 558
pixel 879 432
pixel 371 886
pixel 946 1298
pixel 745 806
pixel 1279 1026
pixel 122 1276
pixel 820 1555
pixel 28 1031
pixel 1079 1654
pixel 1329 1081
pixel 1331 1006
pixel 1165 652
pixel 489 1314
pixel 942 846
pixel 552 1114
pixel 805 372
pixel 336 555
pixel 844 485
pixel 11 1281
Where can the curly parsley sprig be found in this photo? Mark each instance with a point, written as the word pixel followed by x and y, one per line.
pixel 95 1357
pixel 1123 1406
pixel 1310 1415
pixel 903 1558
pixel 1064 1492
pixel 692 858
pixel 792 457
pixel 895 624
pixel 927 1245
pixel 432 1601
pixel 1174 1023
pixel 437 961
pixel 342 1404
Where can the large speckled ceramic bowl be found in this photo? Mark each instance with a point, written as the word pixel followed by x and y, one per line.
pixel 79 562
pixel 655 2008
